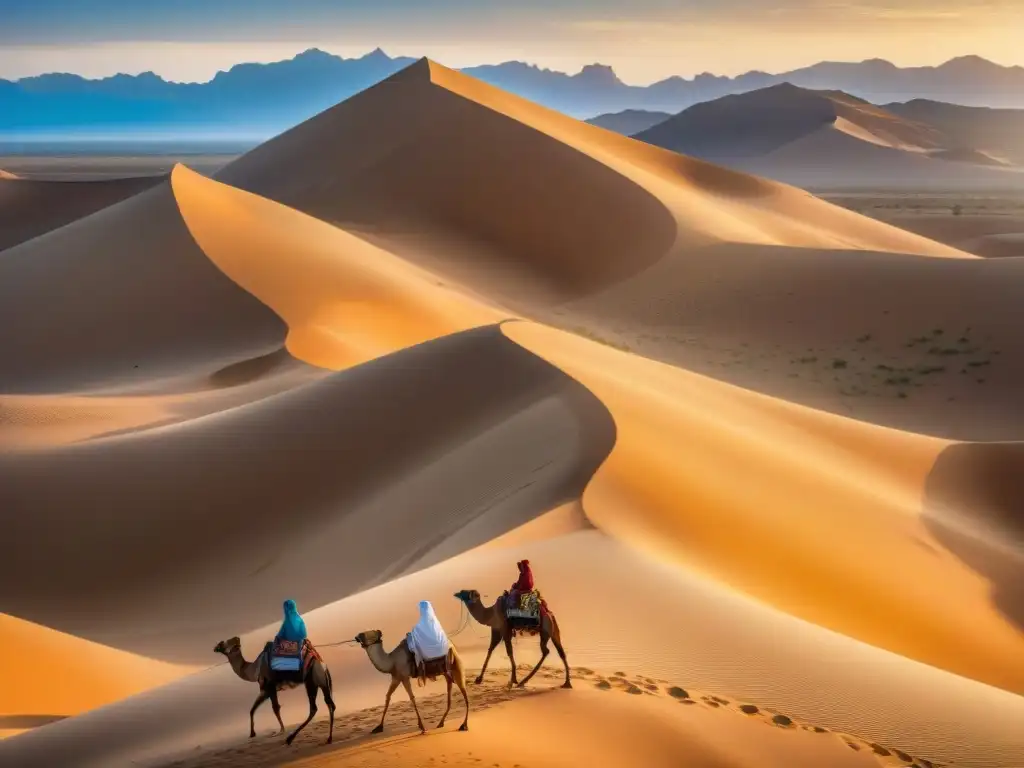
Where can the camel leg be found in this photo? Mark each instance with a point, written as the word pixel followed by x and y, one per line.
pixel 408 689
pixel 495 639
pixel 329 700
pixel 387 703
pixel 311 691
pixel 460 681
pixel 276 706
pixel 543 655
pixel 252 712
pixel 448 682
pixel 512 659
pixel 556 638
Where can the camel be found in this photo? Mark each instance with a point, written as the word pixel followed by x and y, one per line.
pixel 317 677
pixel 495 618
pixel 400 664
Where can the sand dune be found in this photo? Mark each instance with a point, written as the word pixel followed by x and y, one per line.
pixel 278 487
pixel 292 382
pixel 7 175
pixel 344 301
pixel 588 209
pixel 991 236
pixel 855 493
pixel 828 140
pixel 49 676
pixel 29 208
pixel 136 300
pixel 717 638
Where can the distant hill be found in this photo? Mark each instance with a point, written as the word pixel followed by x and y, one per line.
pixel 999 131
pixel 629 121
pixel 267 98
pixel 829 139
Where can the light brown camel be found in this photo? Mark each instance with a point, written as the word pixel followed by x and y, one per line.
pixel 316 677
pixel 400 664
pixel 494 617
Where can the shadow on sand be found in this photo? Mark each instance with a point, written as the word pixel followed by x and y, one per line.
pixel 974 506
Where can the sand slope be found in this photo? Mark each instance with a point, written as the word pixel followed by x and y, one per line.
pixel 136 299
pixel 837 501
pixel 49 675
pixel 29 208
pixel 717 638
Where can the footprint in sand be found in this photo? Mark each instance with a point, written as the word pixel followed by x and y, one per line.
pixel 749 709
pixel 677 693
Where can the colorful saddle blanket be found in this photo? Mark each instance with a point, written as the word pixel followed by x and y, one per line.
pixel 527 605
pixel 287 656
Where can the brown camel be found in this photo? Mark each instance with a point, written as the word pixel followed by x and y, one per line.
pixel 316 677
pixel 400 664
pixel 494 617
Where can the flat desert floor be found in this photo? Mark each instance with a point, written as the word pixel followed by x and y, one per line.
pixel 762 451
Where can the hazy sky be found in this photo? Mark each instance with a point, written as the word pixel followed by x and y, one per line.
pixel 644 40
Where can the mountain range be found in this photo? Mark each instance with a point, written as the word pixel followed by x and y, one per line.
pixel 263 99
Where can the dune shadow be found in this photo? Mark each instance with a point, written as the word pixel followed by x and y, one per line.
pixel 26 722
pixel 974 506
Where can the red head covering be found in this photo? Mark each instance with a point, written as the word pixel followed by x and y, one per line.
pixel 525 583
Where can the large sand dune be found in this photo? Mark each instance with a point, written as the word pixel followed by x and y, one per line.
pixel 829 140
pixel 29 208
pixel 327 407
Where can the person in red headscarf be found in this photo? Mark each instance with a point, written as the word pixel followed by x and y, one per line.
pixel 523 585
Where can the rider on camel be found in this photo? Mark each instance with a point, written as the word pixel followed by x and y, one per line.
pixel 293 627
pixel 523 586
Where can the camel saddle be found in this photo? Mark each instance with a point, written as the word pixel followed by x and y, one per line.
pixel 289 660
pixel 524 612
pixel 434 668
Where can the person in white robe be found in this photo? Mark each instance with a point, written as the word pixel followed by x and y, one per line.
pixel 428 639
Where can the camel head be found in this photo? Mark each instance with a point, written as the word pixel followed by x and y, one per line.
pixel 227 646
pixel 468 596
pixel 369 637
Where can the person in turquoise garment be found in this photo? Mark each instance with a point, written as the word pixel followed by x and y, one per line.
pixel 293 627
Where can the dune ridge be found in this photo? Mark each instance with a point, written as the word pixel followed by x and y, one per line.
pixel 30 208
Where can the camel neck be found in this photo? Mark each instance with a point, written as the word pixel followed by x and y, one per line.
pixel 382 661
pixel 240 666
pixel 481 613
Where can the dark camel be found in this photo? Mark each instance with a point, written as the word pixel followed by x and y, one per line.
pixel 317 677
pixel 495 618
pixel 400 665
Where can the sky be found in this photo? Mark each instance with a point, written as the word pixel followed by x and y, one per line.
pixel 644 40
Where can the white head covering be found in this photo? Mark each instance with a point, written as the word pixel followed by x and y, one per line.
pixel 428 638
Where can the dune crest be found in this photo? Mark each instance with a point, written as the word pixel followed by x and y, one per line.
pixel 344 301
